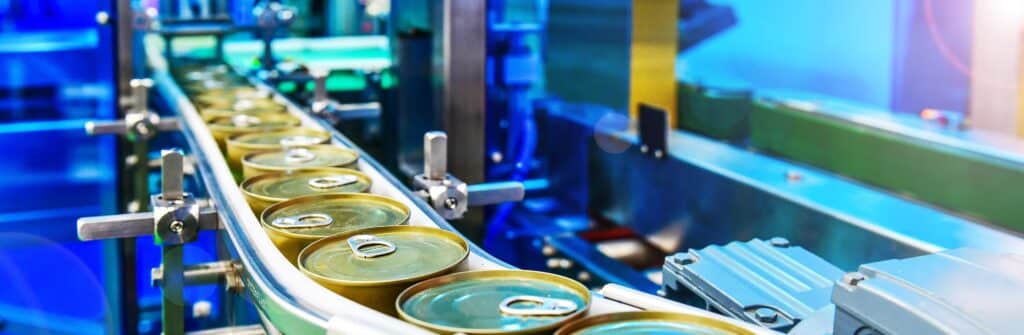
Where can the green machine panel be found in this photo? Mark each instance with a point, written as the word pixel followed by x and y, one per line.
pixel 714 106
pixel 976 174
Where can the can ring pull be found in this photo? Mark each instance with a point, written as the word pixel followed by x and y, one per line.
pixel 297 140
pixel 359 244
pixel 298 155
pixel 244 121
pixel 540 306
pixel 329 182
pixel 309 220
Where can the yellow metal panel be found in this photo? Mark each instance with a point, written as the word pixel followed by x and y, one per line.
pixel 652 65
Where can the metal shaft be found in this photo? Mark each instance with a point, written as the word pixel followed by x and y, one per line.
pixel 140 93
pixel 172 174
pixel 319 85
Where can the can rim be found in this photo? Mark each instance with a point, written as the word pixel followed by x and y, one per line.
pixel 325 197
pixel 342 237
pixel 290 122
pixel 246 184
pixel 700 320
pixel 238 140
pixel 493 273
pixel 246 160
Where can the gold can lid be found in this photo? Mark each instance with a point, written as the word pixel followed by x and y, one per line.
pixel 281 138
pixel 493 302
pixel 651 322
pixel 286 185
pixel 323 155
pixel 328 214
pixel 239 105
pixel 242 121
pixel 383 255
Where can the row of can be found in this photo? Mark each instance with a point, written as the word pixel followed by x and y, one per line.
pixel 314 204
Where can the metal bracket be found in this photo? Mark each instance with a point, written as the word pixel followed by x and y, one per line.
pixel 450 196
pixel 653 130
pixel 176 217
pixel 139 123
pixel 271 16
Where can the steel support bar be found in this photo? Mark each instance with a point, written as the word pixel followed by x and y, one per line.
pixel 133 225
pixel 173 304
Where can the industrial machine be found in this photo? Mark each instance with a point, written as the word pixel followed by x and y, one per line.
pixel 484 167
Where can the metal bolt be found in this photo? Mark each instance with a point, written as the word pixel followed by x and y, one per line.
pixel 643 148
pixel 134 206
pixel 548 250
pixel 201 309
pixel 497 157
pixel 451 203
pixel 564 263
pixel 683 258
pixel 131 160
pixel 778 242
pixel 552 263
pixel 658 154
pixel 853 278
pixel 583 276
pixel 102 17
pixel 766 315
pixel 177 226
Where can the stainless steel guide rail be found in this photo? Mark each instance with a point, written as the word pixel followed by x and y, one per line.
pixel 288 301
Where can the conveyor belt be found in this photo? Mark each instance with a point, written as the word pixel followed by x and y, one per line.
pixel 289 301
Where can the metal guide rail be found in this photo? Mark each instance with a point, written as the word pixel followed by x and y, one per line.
pixel 289 301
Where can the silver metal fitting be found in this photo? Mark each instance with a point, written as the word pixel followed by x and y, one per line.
pixel 448 195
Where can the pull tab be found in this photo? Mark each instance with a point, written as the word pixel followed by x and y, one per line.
pixel 244 121
pixel 244 104
pixel 329 182
pixel 297 140
pixel 540 306
pixel 298 155
pixel 360 243
pixel 310 220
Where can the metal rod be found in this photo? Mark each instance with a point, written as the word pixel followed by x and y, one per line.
pixel 173 304
pixel 133 225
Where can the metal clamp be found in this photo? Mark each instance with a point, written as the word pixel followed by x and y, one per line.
pixel 139 123
pixel 321 101
pixel 176 217
pixel 360 246
pixel 271 16
pixel 333 111
pixel 450 196
pixel 538 306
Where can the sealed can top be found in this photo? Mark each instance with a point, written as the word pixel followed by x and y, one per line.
pixel 651 322
pixel 282 138
pixel 383 255
pixel 252 121
pixel 323 155
pixel 286 185
pixel 494 301
pixel 328 214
